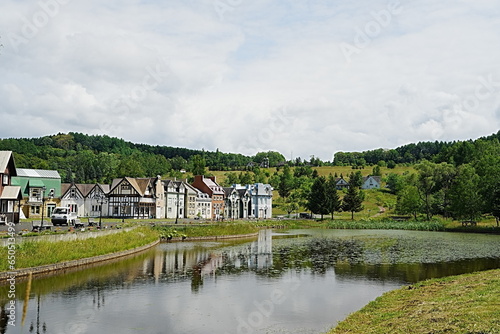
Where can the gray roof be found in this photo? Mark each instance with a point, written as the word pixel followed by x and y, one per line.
pixel 5 157
pixel 11 193
pixel 41 173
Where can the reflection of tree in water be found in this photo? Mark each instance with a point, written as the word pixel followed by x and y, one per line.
pixel 379 259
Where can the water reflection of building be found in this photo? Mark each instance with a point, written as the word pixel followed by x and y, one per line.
pixel 257 255
pixel 197 262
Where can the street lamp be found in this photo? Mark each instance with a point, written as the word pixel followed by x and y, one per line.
pixel 51 196
pixel 100 200
pixel 44 188
pixel 177 203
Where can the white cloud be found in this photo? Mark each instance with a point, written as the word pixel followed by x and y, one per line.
pixel 179 74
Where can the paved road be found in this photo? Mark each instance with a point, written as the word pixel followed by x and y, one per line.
pixel 29 226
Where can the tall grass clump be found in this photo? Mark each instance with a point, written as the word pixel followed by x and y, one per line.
pixel 36 253
pixel 388 225
pixel 213 230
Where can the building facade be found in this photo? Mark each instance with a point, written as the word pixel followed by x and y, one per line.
pixel 262 200
pixel 216 193
pixel 133 198
pixel 41 191
pixel 175 194
pixel 10 195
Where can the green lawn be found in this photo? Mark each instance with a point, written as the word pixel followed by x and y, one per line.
pixel 457 304
pixel 36 253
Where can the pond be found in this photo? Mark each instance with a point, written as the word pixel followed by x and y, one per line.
pixel 303 281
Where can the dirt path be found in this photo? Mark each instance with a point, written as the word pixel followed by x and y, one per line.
pixel 381 210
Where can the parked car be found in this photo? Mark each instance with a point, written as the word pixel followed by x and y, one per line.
pixel 305 215
pixel 64 216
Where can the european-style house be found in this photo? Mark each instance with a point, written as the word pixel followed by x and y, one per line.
pixel 41 190
pixel 209 185
pixel 10 195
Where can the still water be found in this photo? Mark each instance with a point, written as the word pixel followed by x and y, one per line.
pixel 304 281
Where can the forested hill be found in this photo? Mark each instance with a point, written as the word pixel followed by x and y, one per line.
pixel 456 153
pixel 86 159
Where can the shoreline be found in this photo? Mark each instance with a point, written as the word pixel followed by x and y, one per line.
pixel 464 303
pixel 50 268
pixel 61 266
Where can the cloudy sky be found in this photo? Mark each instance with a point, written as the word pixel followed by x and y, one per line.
pixel 309 77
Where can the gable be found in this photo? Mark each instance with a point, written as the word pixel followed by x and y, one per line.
pixel 72 193
pixel 124 187
pixel 97 191
pixel 7 165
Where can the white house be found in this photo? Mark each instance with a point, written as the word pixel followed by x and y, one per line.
pixel 203 205
pixel 371 182
pixel 175 193
pixel 238 202
pixel 96 203
pixel 73 196
pixel 340 183
pixel 261 200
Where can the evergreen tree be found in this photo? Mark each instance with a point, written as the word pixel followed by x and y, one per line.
pixel 198 165
pixel 356 179
pixel 333 202
pixel 316 200
pixel 286 182
pixel 353 200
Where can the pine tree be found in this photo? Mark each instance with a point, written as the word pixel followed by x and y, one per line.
pixel 353 200
pixel 333 202
pixel 316 201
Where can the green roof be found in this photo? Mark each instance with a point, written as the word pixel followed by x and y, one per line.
pixel 26 182
pixel 34 183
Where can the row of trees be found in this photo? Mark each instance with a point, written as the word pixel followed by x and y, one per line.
pixel 323 198
pixel 462 192
pixel 305 188
pixel 83 158
pixel 455 153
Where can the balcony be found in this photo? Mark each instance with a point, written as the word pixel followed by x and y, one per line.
pixel 34 200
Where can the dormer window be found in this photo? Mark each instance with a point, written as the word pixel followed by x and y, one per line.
pixel 5 180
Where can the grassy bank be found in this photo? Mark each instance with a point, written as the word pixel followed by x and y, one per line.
pixel 387 225
pixel 212 230
pixel 457 304
pixel 36 253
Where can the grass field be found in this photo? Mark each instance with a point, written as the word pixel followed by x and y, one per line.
pixel 457 304
pixel 36 253
pixel 326 170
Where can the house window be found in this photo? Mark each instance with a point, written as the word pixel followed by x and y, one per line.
pixel 35 210
pixel 72 193
pixel 5 180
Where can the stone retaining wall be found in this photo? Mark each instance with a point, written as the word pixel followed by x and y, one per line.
pixel 75 263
